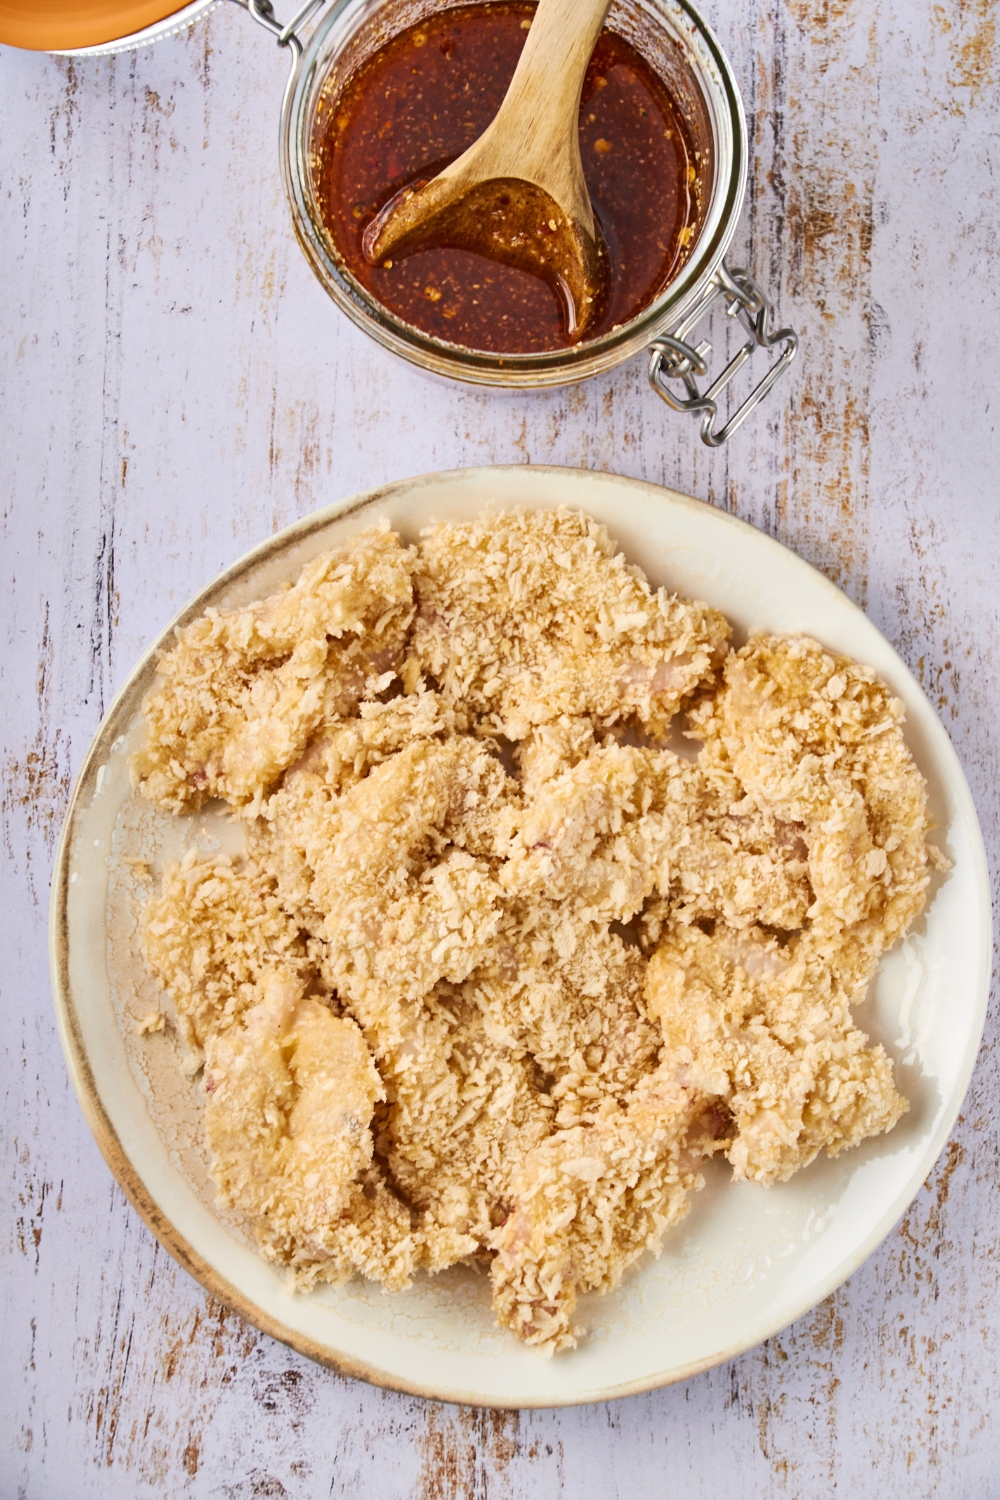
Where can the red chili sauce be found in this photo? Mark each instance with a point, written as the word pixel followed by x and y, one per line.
pixel 424 97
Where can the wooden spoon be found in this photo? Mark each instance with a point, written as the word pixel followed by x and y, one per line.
pixel 518 193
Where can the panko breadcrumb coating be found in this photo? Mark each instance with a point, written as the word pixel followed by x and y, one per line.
pixel 524 617
pixel 291 1090
pixel 768 1030
pixel 244 690
pixel 499 967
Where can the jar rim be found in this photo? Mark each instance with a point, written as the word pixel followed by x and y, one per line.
pixel 717 86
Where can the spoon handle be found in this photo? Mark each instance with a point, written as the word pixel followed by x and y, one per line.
pixel 542 103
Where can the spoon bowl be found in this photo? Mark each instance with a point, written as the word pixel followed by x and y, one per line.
pixel 518 194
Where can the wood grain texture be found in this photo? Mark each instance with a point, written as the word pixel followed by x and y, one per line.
pixel 174 387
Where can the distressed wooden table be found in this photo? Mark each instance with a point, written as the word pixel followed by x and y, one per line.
pixel 175 385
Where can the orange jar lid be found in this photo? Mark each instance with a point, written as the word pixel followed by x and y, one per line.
pixel 57 25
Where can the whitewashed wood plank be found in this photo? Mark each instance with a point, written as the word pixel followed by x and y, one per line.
pixel 175 386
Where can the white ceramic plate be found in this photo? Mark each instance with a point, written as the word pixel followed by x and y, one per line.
pixel 747 1261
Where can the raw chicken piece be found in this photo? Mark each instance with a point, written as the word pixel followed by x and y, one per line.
pixel 399 874
pixel 768 1032
pixel 622 824
pixel 524 617
pixel 463 1110
pixel 602 834
pixel 568 994
pixel 815 739
pixel 290 1093
pixel 211 935
pixel 589 1201
pixel 243 690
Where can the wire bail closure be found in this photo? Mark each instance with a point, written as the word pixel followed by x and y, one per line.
pixel 286 36
pixel 673 358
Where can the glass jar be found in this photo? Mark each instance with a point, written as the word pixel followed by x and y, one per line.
pixel 681 47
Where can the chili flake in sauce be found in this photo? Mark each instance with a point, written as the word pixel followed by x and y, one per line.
pixel 424 97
